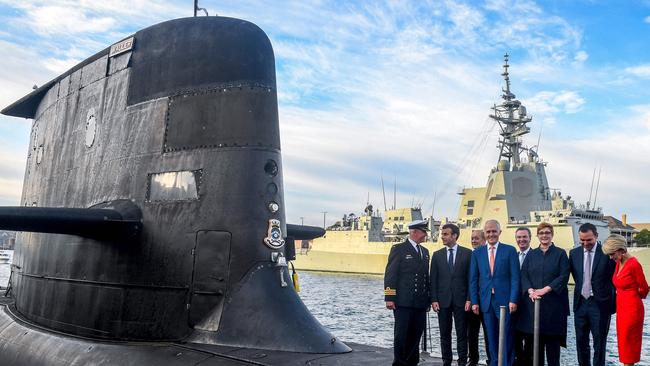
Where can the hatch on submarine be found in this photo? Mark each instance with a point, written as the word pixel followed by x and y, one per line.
pixel 152 215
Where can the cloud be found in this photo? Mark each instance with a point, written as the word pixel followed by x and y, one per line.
pixel 581 56
pixel 646 19
pixel 53 20
pixel 548 102
pixel 641 71
pixel 621 151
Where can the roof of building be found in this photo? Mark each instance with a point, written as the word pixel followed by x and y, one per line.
pixel 641 225
pixel 615 223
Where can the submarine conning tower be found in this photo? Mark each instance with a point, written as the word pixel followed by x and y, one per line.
pixel 168 140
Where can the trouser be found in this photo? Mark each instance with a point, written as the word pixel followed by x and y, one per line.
pixel 409 325
pixel 457 314
pixel 523 349
pixel 550 344
pixel 491 319
pixel 589 318
pixel 474 323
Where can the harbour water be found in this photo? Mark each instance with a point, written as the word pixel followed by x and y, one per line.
pixel 352 307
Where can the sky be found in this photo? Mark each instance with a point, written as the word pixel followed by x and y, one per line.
pixel 399 90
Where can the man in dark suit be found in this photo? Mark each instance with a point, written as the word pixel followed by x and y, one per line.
pixel 523 342
pixel 494 282
pixel 475 321
pixel 449 296
pixel 406 292
pixel 594 296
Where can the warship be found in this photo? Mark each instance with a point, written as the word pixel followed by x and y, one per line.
pixel 152 221
pixel 517 194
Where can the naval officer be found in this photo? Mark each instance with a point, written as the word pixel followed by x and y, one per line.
pixel 406 292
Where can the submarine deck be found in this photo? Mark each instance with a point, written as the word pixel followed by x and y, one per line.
pixel 26 344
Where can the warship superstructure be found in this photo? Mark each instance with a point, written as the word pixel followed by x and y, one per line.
pixel 517 194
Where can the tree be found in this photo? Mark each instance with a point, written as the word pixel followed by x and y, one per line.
pixel 643 237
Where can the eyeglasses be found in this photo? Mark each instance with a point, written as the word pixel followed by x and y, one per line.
pixel 544 233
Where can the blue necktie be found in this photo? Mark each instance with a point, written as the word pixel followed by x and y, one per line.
pixel 450 261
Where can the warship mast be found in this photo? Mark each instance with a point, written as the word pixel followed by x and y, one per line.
pixel 512 119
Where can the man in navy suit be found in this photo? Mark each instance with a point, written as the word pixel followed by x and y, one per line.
pixel 449 297
pixel 494 282
pixel 406 292
pixel 594 296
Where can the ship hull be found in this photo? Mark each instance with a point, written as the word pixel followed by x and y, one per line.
pixel 349 253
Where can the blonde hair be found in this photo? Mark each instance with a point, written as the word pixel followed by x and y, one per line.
pixel 613 243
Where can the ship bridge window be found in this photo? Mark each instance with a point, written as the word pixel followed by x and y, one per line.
pixel 174 186
pixel 470 207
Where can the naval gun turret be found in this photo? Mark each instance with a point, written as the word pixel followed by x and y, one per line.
pixel 153 206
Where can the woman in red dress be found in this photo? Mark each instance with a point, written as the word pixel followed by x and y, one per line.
pixel 631 287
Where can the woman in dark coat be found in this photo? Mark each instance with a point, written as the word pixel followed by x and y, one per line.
pixel 544 276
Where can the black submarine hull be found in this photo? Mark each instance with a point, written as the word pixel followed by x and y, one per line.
pixel 25 344
pixel 153 201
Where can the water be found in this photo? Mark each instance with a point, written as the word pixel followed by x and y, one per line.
pixel 352 308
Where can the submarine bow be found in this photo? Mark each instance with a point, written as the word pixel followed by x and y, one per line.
pixel 177 126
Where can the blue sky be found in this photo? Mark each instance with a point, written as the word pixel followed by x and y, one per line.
pixel 395 88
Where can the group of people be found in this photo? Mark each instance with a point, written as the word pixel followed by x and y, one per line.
pixel 467 288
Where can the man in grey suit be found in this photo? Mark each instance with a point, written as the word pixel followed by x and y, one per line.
pixel 594 297
pixel 449 296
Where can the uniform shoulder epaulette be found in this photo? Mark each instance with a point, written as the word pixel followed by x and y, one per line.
pixel 390 291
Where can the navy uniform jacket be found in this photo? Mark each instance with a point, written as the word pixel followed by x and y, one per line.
pixel 406 280
pixel 450 287
pixel 601 278
pixel 539 270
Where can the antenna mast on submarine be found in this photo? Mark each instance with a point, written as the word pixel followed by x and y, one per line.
pixel 196 8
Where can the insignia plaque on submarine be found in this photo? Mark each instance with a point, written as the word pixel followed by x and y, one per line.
pixel 121 47
pixel 274 235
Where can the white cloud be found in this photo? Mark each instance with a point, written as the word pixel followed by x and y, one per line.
pixel 53 20
pixel 581 56
pixel 642 71
pixel 647 19
pixel 549 102
pixel 621 150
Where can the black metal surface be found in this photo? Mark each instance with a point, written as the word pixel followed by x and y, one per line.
pixel 25 345
pixel 99 223
pixel 303 232
pixel 165 63
pixel 200 269
pixel 213 111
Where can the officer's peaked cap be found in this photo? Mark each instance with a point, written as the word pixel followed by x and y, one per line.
pixel 420 225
